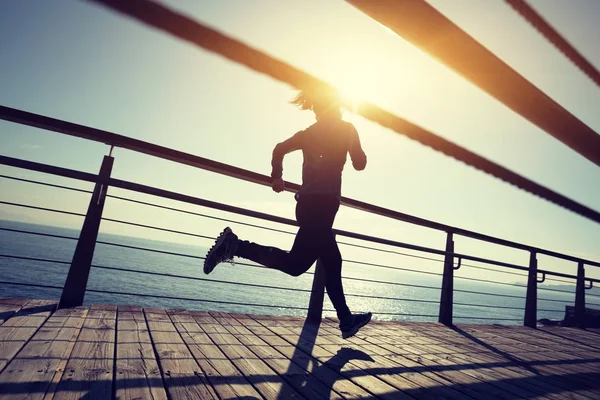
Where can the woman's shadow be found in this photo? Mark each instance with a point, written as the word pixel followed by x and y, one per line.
pixel 322 377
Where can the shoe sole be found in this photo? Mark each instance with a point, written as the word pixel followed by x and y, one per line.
pixel 218 242
pixel 356 329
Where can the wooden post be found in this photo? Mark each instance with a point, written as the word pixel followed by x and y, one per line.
pixel 580 297
pixel 530 319
pixel 446 298
pixel 317 295
pixel 76 283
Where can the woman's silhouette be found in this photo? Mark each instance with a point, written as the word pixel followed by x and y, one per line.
pixel 325 146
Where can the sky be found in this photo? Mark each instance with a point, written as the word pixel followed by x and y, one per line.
pixel 79 62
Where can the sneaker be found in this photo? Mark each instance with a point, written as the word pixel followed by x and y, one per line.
pixel 222 251
pixel 350 325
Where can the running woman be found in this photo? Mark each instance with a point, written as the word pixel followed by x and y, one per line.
pixel 325 146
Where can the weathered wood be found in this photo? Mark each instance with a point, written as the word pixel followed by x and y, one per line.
pixel 9 307
pixel 18 329
pixel 89 370
pixel 345 365
pixel 29 375
pixel 137 372
pixel 184 379
pixel 227 380
pixel 507 367
pixel 177 354
pixel 259 374
pixel 294 371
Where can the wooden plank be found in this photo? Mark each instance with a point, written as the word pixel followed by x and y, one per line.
pixel 547 361
pixel 18 329
pixel 9 307
pixel 413 378
pixel 227 380
pixel 137 373
pixel 345 364
pixel 500 369
pixel 264 379
pixel 184 379
pixel 89 370
pixel 30 373
pixel 293 370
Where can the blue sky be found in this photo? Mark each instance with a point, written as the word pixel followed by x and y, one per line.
pixel 79 62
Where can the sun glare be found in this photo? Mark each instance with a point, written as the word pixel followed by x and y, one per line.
pixel 361 73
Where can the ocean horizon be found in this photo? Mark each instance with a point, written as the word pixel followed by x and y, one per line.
pixel 219 291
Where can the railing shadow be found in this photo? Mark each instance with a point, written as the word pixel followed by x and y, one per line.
pixel 508 356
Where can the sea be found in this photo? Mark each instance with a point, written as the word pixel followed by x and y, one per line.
pixel 170 276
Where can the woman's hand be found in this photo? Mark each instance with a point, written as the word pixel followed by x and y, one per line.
pixel 277 185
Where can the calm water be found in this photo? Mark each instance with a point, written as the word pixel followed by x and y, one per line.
pixel 203 292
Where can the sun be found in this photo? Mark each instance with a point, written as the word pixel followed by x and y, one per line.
pixel 359 73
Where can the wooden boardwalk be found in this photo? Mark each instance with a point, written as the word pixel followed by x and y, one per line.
pixel 106 351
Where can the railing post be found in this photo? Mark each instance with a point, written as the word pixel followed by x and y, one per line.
pixel 580 297
pixel 317 295
pixel 530 319
pixel 446 299
pixel 76 283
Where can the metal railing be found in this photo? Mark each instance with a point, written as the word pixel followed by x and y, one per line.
pixel 75 287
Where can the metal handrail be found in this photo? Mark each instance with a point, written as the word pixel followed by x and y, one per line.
pixel 76 284
pixel 140 146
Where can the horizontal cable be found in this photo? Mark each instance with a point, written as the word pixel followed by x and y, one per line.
pixel 238 210
pixel 554 37
pixel 158 228
pixel 38 233
pixel 258 285
pixel 488 318
pixel 223 207
pixel 509 284
pixel 34 259
pixel 390 267
pixel 274 230
pixel 238 283
pixel 259 266
pixel 503 295
pixel 43 208
pixel 192 299
pixel 248 265
pixel 383 282
pixel 489 294
pixel 570 282
pixel 467 278
pixel 199 214
pixel 553 300
pixel 488 306
pixel 150 250
pixel 494 270
pixel 250 225
pixel 200 257
pixel 401 314
pixel 245 284
pixel 389 251
pixel 30 284
pixel 46 184
pixel 162 18
pixel 554 290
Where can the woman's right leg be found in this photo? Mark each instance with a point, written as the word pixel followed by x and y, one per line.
pixel 304 253
pixel 295 262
